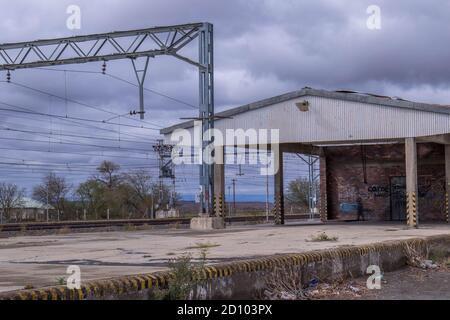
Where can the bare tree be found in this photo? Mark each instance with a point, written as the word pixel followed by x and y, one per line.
pixel 91 196
pixel 10 197
pixel 298 193
pixel 109 174
pixel 139 190
pixel 53 189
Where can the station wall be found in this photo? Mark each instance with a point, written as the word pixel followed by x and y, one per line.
pixel 376 175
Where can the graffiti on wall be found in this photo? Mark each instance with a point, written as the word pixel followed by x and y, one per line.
pixel 379 191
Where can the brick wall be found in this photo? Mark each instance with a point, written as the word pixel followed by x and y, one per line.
pixel 346 180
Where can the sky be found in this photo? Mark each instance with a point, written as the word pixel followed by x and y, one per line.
pixel 262 49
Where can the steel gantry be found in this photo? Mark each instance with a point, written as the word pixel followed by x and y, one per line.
pixel 313 180
pixel 132 44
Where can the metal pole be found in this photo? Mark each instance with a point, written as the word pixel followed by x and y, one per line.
pixel 140 76
pixel 267 194
pixel 310 186
pixel 47 205
pixel 84 214
pixel 234 196
pixel 229 201
pixel 107 214
pixel 173 193
pixel 206 112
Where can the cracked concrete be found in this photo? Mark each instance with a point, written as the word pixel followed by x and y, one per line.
pixel 40 260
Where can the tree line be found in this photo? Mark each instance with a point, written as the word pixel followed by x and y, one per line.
pixel 110 192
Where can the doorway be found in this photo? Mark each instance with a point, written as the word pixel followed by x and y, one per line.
pixel 398 198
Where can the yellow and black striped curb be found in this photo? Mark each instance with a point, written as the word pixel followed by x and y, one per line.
pixel 135 283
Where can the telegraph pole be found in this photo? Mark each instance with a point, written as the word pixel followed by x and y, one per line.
pixel 239 174
pixel 267 194
pixel 234 196
pixel 46 210
pixel 166 169
pixel 229 201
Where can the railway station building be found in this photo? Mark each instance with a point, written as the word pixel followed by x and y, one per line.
pixel 387 155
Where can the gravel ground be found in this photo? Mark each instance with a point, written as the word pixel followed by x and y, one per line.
pixel 405 284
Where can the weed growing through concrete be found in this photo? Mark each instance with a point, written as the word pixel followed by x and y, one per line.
pixel 184 277
pixel 322 237
pixel 61 281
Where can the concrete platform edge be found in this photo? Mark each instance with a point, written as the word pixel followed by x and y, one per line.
pixel 245 278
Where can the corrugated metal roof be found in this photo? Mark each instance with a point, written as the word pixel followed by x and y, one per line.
pixel 342 95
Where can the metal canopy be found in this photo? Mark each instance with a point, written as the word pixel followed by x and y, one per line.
pixel 150 42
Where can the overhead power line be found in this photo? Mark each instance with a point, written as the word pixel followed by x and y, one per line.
pixel 68 117
pixel 147 141
pixel 124 81
pixel 134 150
pixel 81 103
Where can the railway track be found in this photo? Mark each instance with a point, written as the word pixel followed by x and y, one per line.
pixel 74 225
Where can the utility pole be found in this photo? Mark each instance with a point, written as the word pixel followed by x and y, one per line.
pixel 229 201
pixel 173 194
pixel 267 194
pixel 166 168
pixel 312 178
pixel 239 174
pixel 234 196
pixel 47 205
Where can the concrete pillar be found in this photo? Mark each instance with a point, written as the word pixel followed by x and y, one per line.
pixel 411 183
pixel 447 182
pixel 219 183
pixel 216 219
pixel 278 188
pixel 323 205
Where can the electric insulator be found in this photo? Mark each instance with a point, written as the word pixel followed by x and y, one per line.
pixel 104 67
pixel 8 76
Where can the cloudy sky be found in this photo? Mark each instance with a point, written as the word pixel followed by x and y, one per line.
pixel 262 48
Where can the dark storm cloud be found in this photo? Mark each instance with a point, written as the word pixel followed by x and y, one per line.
pixel 262 48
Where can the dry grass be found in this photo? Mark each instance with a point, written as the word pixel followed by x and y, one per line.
pixel 64 230
pixel 322 237
pixel 130 227
pixel 286 284
pixel 175 225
